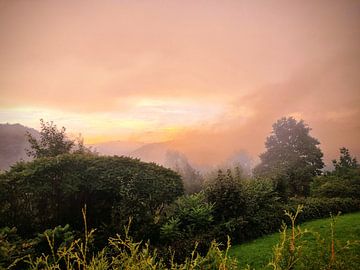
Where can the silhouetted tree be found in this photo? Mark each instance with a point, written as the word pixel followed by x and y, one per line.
pixel 292 157
pixel 53 142
pixel 346 161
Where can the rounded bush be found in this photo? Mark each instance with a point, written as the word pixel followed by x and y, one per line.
pixel 48 192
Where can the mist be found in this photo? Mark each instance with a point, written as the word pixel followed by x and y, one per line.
pixel 208 78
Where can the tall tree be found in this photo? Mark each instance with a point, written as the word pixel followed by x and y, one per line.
pixel 292 157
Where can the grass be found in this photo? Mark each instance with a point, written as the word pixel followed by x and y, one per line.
pixel 258 253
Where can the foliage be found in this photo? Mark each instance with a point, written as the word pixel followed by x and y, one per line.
pixel 60 236
pixel 51 191
pixel 263 209
pixel 292 157
pixel 343 182
pixel 319 208
pixel 53 142
pixel 333 186
pixel 12 246
pixel 297 248
pixel 243 208
pixel 120 253
pixel 226 192
pixel 188 221
pixel 346 162
pixel 287 252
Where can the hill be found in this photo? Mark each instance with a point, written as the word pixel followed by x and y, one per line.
pixel 119 148
pixel 13 143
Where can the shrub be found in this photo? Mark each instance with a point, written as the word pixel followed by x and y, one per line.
pixel 51 191
pixel 343 182
pixel 189 220
pixel 12 246
pixel 120 253
pixel 264 211
pixel 319 208
pixel 226 192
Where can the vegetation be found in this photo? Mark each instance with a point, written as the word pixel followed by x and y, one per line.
pixel 166 225
pixel 292 158
pixel 51 191
pixel 53 142
pixel 343 182
pixel 315 242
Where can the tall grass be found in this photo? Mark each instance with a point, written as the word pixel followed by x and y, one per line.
pixel 291 252
pixel 120 253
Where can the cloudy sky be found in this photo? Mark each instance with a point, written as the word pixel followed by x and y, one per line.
pixel 211 75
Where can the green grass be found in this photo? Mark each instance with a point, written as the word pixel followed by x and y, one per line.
pixel 258 253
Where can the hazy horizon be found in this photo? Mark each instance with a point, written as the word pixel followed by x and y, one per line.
pixel 209 76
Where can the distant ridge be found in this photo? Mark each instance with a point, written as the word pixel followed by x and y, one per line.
pixel 118 148
pixel 13 143
pixel 153 152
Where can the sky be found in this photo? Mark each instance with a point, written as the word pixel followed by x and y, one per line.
pixel 211 76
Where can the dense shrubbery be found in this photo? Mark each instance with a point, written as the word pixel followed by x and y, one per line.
pixel 319 207
pixel 51 191
pixel 65 252
pixel 189 220
pixel 343 182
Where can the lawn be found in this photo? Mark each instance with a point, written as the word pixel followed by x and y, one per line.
pixel 258 253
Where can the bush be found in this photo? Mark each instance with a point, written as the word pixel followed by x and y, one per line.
pixel 189 220
pixel 226 192
pixel 343 182
pixel 333 185
pixel 264 211
pixel 51 191
pixel 120 253
pixel 315 208
pixel 12 246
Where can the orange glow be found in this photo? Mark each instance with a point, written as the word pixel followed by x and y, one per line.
pixel 210 76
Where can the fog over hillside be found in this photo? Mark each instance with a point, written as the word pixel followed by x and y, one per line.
pixel 116 147
pixel 13 143
pixel 170 154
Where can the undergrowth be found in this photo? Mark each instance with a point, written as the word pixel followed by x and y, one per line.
pixel 126 253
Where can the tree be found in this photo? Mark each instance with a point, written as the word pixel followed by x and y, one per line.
pixel 346 162
pixel 292 157
pixel 53 142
